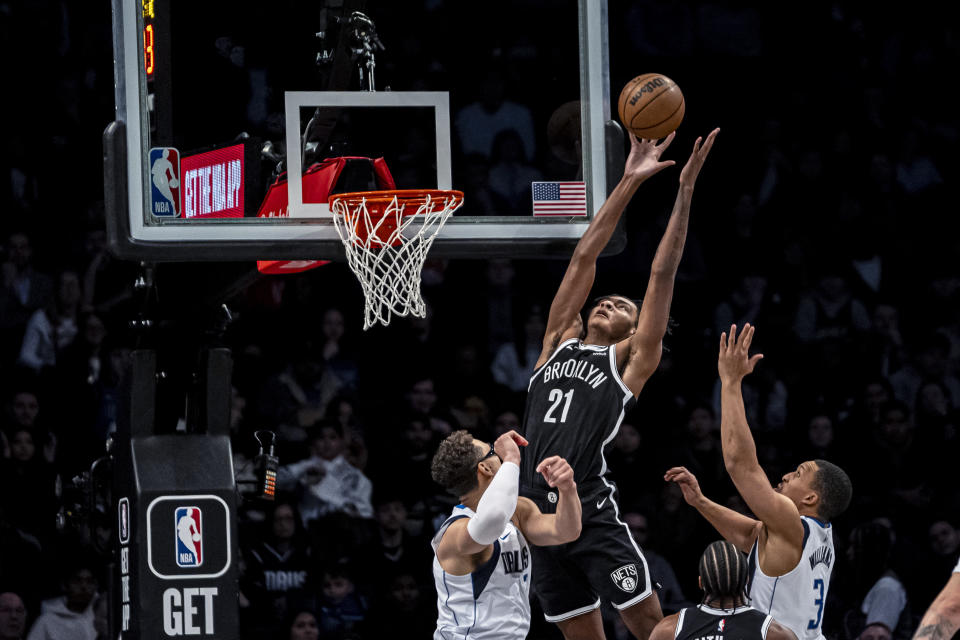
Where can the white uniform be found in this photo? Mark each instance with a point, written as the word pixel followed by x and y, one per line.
pixel 796 599
pixel 493 601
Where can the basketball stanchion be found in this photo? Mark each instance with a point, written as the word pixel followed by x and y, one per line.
pixel 387 235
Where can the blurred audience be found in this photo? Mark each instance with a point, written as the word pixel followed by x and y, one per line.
pixel 830 234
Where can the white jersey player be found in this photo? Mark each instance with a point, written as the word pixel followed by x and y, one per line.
pixel 791 541
pixel 481 564
pixel 497 592
pixel 797 596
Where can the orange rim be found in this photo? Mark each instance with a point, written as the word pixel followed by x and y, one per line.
pixel 377 200
pixel 377 204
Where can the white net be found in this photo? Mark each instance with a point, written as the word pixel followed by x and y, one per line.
pixel 387 251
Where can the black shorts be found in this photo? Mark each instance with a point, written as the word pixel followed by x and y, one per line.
pixel 604 563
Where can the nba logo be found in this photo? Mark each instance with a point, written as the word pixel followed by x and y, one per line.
pixel 189 527
pixel 165 182
pixel 124 510
pixel 723 623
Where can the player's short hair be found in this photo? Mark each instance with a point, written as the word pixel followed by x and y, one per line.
pixel 723 571
pixel 638 302
pixel 454 465
pixel 833 486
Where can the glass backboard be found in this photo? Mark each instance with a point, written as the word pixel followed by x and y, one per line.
pixel 234 123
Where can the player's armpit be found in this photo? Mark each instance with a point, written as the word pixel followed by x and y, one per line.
pixel 779 632
pixel 456 547
pixel 642 360
pixel 777 512
pixel 645 346
pixel 665 629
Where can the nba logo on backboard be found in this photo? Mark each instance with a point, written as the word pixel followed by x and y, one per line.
pixel 123 508
pixel 165 182
pixel 189 527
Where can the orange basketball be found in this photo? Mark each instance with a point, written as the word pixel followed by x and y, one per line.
pixel 651 106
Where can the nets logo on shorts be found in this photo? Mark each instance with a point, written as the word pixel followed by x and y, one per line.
pixel 625 578
pixel 189 528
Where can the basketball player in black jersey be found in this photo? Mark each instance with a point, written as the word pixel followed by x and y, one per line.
pixel 577 397
pixel 723 614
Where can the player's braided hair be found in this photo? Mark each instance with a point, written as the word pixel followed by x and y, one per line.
pixel 723 572
pixel 454 465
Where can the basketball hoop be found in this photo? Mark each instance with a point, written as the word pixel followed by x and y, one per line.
pixel 387 235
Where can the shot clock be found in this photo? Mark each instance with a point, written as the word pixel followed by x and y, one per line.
pixel 156 43
pixel 149 54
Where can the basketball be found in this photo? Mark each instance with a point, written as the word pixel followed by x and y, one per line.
pixel 651 106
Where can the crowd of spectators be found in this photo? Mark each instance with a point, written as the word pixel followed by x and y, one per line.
pixel 822 218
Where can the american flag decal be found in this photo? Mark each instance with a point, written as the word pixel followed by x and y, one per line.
pixel 559 199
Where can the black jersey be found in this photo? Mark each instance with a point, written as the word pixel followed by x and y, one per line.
pixel 575 403
pixel 706 623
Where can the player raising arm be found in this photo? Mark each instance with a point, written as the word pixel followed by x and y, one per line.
pixel 588 375
pixel 724 610
pixel 482 559
pixel 942 619
pixel 790 542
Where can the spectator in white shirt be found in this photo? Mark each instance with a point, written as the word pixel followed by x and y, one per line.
pixel 478 123
pixel 514 361
pixel 325 481
pixel 71 616
pixel 51 329
pixel 883 613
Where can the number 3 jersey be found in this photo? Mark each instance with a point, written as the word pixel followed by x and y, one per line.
pixel 575 403
pixel 797 598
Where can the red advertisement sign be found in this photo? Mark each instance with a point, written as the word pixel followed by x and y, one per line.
pixel 211 184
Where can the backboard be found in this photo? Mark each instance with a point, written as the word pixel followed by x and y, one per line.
pixel 227 118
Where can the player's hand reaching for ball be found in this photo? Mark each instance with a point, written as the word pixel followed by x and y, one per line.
pixel 687 482
pixel 557 472
pixel 735 360
pixel 690 171
pixel 508 446
pixel 644 159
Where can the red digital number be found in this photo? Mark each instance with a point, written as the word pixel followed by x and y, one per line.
pixel 148 49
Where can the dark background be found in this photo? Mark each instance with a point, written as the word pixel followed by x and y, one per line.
pixel 824 215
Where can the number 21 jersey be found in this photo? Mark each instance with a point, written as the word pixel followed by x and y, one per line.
pixel 575 404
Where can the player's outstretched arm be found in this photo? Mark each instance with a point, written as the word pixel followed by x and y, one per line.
pixel 734 527
pixel 563 526
pixel 643 162
pixel 777 631
pixel 645 345
pixel 942 619
pixel 777 512
pixel 665 629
